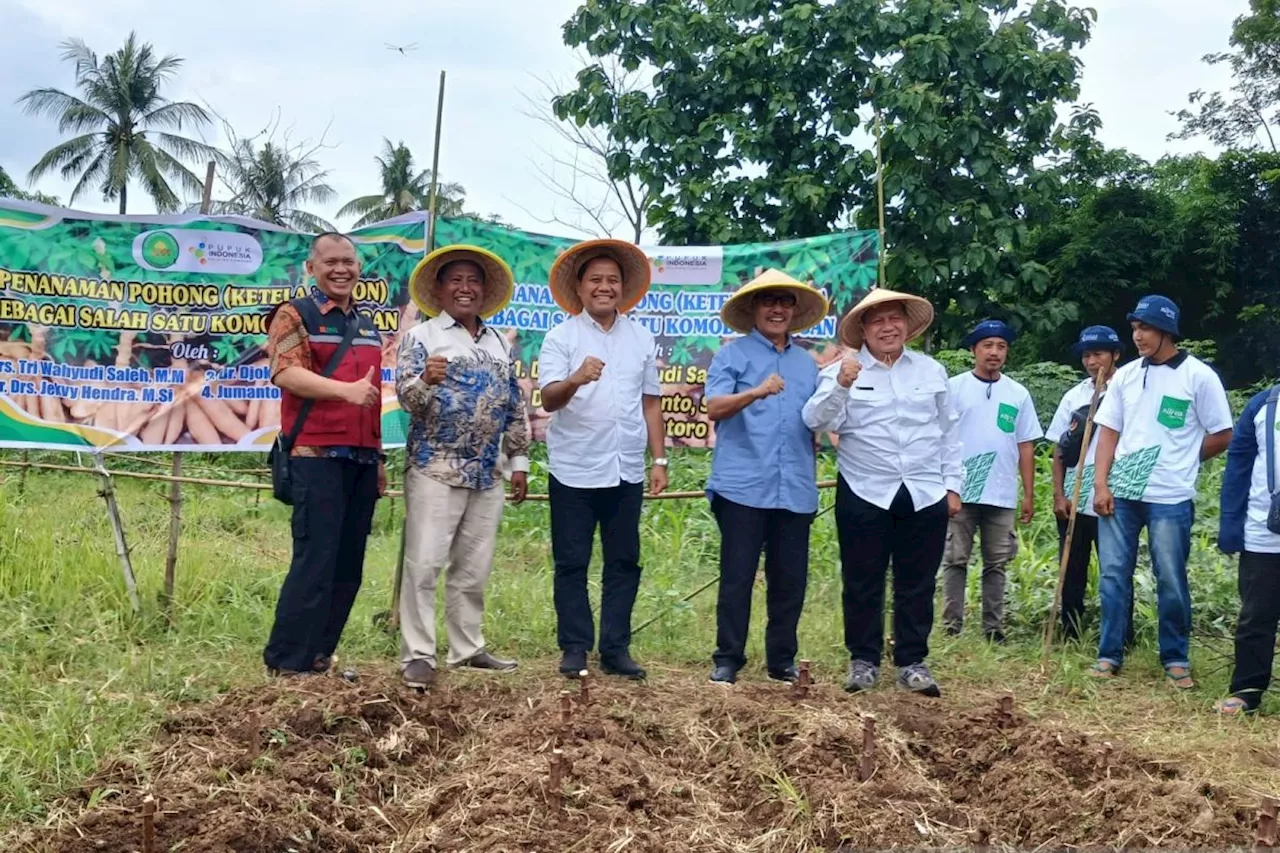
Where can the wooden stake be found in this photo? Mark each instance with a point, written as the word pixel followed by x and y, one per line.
pixel 566 708
pixel 1106 759
pixel 108 494
pixel 175 486
pixel 1098 386
pixel 1004 712
pixel 801 689
pixel 867 761
pixel 557 778
pixel 584 696
pixel 148 824
pixel 1266 835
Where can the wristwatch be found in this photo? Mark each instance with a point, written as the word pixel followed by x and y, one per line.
pixel 661 462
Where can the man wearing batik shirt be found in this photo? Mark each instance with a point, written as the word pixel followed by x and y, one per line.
pixel 1163 415
pixel 456 380
pixel 998 432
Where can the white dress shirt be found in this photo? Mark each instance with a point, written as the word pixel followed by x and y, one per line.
pixel 896 427
pixel 598 439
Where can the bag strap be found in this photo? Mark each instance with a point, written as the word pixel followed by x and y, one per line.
pixel 1271 439
pixel 353 326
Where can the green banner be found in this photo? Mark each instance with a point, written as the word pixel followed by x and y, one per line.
pixel 148 333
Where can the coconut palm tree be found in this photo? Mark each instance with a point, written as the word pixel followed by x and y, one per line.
pixel 402 190
pixel 272 182
pixel 123 126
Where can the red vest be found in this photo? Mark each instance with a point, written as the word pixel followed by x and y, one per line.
pixel 335 423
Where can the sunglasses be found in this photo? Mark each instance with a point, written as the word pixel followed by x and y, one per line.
pixel 774 300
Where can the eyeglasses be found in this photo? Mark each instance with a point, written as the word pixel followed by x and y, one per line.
pixel 773 300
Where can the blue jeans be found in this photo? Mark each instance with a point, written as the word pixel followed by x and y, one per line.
pixel 1169 540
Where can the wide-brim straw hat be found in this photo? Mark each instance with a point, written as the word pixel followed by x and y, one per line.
pixel 738 313
pixel 918 309
pixel 636 272
pixel 499 283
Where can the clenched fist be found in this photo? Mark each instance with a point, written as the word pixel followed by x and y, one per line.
pixel 850 367
pixel 588 372
pixel 436 367
pixel 769 387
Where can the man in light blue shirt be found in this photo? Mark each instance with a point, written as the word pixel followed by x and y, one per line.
pixel 763 485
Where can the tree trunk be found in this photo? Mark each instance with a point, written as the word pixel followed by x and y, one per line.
pixel 124 199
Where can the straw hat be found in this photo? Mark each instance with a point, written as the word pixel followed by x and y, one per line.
pixel 499 283
pixel 738 312
pixel 919 315
pixel 629 257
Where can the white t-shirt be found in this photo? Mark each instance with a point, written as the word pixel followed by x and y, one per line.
pixel 1079 396
pixel 995 417
pixel 1162 413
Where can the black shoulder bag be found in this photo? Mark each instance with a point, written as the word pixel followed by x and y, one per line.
pixel 278 456
pixel 1069 444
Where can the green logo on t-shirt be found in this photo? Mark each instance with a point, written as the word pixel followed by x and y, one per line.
pixel 1173 412
pixel 1007 418
pixel 976 470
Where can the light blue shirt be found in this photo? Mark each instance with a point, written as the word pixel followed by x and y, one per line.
pixel 764 456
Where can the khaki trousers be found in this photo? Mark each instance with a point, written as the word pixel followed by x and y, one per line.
pixel 999 546
pixel 452 529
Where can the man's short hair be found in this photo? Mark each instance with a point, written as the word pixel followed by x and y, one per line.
pixel 328 235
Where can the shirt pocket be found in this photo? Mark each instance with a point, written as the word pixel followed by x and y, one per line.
pixel 920 404
pixel 868 406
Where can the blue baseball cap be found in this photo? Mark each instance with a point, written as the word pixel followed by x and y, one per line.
pixel 1158 312
pixel 1097 338
pixel 989 329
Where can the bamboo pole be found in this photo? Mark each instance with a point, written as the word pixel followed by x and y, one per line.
pixel 175 486
pixel 880 197
pixel 393 618
pixel 22 475
pixel 108 493
pixel 1099 384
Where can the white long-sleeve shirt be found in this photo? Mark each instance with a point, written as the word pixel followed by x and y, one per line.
pixel 896 426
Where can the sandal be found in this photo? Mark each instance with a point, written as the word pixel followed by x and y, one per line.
pixel 1104 669
pixel 1233 706
pixel 1179 677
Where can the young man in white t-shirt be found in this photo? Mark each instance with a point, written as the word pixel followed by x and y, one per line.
pixel 1244 529
pixel 1163 415
pixel 1099 349
pixel 998 431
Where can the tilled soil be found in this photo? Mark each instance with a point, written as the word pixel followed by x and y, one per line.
pixel 323 766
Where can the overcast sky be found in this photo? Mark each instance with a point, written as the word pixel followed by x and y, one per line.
pixel 323 64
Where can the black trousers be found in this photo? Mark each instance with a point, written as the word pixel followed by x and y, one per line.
pixel 1256 629
pixel 1074 585
pixel 869 538
pixel 575 514
pixel 784 538
pixel 333 503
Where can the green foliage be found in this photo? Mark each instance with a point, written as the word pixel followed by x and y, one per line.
pixel 1047 381
pixel 273 182
pixel 403 190
pixel 9 189
pixel 758 125
pixel 126 130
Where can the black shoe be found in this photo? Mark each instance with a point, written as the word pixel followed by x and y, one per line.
pixel 952 629
pixel 573 663
pixel 996 637
pixel 419 674
pixel 724 675
pixel 624 666
pixel 788 674
pixel 322 663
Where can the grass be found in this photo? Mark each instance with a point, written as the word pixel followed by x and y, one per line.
pixel 83 682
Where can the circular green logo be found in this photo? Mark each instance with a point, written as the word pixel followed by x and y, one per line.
pixel 160 250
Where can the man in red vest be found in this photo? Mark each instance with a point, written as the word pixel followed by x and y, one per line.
pixel 336 462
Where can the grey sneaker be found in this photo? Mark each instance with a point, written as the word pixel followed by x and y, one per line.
pixel 917 678
pixel 419 674
pixel 862 676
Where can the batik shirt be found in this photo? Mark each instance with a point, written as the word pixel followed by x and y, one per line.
pixel 460 429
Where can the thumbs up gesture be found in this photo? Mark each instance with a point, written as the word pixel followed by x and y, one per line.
pixel 435 370
pixel 365 392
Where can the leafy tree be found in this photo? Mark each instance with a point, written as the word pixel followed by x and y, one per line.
pixel 759 121
pixel 9 189
pixel 403 190
pixel 272 181
pixel 125 129
pixel 1246 116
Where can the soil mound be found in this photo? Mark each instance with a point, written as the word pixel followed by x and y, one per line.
pixel 323 766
